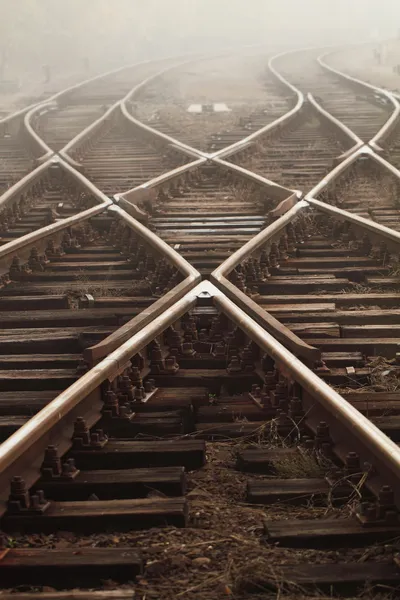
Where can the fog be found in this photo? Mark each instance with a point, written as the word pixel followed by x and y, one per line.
pixel 74 35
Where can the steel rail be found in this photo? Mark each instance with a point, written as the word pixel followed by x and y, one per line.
pixel 53 101
pixel 384 451
pixel 248 140
pixel 22 111
pixel 22 186
pixel 339 170
pixel 29 441
pixel 219 277
pixel 328 117
pixel 188 150
pixel 233 148
pixel 194 152
pixel 42 151
pixel 21 246
pixel 32 438
pixel 387 127
pixel 121 104
pixel 87 133
pixel 191 276
pixel 389 235
pixel 241 145
pixel 280 191
pixel 60 96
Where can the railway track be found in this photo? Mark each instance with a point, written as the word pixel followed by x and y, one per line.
pixel 188 209
pixel 300 153
pixel 64 115
pixel 213 104
pixel 176 425
pixel 76 111
pixel 361 109
pixel 47 195
pixel 282 157
pixel 366 185
pixel 15 156
pixel 134 479
pixel 66 292
pixel 118 155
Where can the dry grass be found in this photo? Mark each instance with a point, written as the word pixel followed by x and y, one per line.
pixel 371 189
pixel 384 377
pixel 302 465
pixel 385 374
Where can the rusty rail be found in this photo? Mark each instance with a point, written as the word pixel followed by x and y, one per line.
pixel 267 237
pixel 220 278
pixel 22 111
pixel 190 275
pixel 23 185
pixel 14 193
pixel 389 235
pixel 22 246
pixel 191 278
pixel 278 123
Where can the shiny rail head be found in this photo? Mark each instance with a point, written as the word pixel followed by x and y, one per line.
pixel 203 318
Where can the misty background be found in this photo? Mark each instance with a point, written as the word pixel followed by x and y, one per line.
pixel 72 36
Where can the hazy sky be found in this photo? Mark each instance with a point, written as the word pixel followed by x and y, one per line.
pixel 110 32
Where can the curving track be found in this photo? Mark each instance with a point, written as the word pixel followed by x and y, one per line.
pixel 182 404
pixel 359 109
